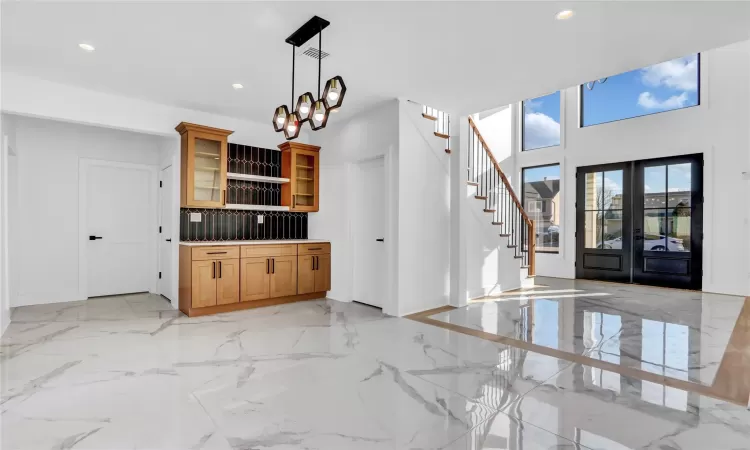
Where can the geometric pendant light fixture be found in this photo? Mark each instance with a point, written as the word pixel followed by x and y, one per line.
pixel 307 108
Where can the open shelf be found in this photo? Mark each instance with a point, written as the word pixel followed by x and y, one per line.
pixel 207 169
pixel 300 166
pixel 213 188
pixel 304 195
pixel 256 207
pixel 260 178
pixel 207 155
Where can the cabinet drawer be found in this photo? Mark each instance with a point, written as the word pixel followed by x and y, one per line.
pixel 206 253
pixel 255 251
pixel 315 249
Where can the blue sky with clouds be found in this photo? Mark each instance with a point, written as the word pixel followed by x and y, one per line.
pixel 662 87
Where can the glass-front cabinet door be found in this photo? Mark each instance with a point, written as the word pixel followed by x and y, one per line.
pixel 204 166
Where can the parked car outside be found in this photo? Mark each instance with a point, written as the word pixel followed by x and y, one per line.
pixel 654 245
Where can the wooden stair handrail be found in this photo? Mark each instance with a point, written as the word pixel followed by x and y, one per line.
pixel 529 223
pixel 500 172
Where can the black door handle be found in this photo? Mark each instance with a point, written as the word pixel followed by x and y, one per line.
pixel 214 275
pixel 268 266
pixel 169 240
pixel 219 269
pixel 93 238
pixel 380 240
pixel 273 266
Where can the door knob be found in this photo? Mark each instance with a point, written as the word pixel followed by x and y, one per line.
pixel 93 238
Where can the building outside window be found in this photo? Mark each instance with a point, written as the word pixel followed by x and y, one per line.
pixel 541 201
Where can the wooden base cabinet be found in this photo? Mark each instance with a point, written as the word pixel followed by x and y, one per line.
pixel 314 268
pixel 216 279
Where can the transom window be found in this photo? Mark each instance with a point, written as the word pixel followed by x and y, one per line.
pixel 541 122
pixel 662 87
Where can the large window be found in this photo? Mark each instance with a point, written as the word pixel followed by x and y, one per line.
pixel 662 87
pixel 541 201
pixel 541 122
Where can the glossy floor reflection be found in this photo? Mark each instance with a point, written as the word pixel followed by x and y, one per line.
pixel 130 372
pixel 677 334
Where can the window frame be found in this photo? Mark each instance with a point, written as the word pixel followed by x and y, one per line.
pixel 522 121
pixel 523 200
pixel 581 103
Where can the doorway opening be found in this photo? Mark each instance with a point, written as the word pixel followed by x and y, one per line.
pixel 641 222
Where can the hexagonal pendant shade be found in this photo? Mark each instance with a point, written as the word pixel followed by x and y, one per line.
pixel 304 107
pixel 279 118
pixel 292 126
pixel 320 116
pixel 333 95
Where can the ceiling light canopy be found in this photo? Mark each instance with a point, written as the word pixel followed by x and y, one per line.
pixel 307 108
pixel 86 47
pixel 237 86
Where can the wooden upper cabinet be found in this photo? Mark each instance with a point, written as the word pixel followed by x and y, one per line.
pixel 300 163
pixel 204 166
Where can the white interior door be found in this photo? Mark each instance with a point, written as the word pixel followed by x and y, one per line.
pixel 165 235
pixel 369 270
pixel 119 221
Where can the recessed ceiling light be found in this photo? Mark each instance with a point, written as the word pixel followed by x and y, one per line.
pixel 237 86
pixel 564 14
pixel 87 47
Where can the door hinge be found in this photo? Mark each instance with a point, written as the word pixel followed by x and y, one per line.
pixel 160 275
pixel 160 185
pixel 159 229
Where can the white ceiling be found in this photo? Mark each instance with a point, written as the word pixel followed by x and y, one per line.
pixel 458 56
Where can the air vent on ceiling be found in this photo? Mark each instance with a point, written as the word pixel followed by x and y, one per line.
pixel 314 53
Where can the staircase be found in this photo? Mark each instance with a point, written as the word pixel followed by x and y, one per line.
pixel 500 205
pixel 442 124
pixel 500 201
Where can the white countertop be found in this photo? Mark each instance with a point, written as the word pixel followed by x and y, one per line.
pixel 259 242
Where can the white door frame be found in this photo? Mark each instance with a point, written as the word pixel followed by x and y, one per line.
pixel 84 164
pixel 160 285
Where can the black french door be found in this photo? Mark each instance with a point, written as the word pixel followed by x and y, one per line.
pixel 641 222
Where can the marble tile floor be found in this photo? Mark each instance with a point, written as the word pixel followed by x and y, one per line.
pixel 129 372
pixel 679 335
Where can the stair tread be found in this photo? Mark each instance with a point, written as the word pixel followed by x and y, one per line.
pixel 518 257
pixel 504 235
pixel 480 197
pixel 448 151
pixel 489 210
pixel 497 223
pixel 512 246
pixel 472 183
pixel 441 135
pixel 427 116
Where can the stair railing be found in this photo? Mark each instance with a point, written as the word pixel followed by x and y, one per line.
pixel 500 199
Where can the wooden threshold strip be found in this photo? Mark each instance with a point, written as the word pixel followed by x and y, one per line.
pixel 737 363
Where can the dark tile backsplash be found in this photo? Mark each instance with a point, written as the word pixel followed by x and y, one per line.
pixel 234 225
pixel 240 225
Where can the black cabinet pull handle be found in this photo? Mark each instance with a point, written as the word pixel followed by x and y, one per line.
pixel 316 248
pixel 268 266
pixel 93 238
pixel 317 263
pixel 273 266
pixel 214 275
pixel 219 269
pixel 380 240
pixel 312 260
pixel 169 240
pixel 216 253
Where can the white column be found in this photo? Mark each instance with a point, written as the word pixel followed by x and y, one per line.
pixel 459 211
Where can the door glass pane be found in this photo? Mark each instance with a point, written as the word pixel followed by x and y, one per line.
pixel 612 193
pixel 654 230
pixel 680 184
pixel 655 187
pixel 678 225
pixel 207 173
pixel 613 229
pixel 593 191
pixel 593 229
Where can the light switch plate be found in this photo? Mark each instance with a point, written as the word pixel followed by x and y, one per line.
pixel 195 217
pixel 260 219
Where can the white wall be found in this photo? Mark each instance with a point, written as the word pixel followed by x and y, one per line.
pixel 49 154
pixel 423 213
pixel 717 128
pixel 364 137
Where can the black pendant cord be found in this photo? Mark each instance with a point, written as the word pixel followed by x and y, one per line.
pixel 320 58
pixel 293 54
